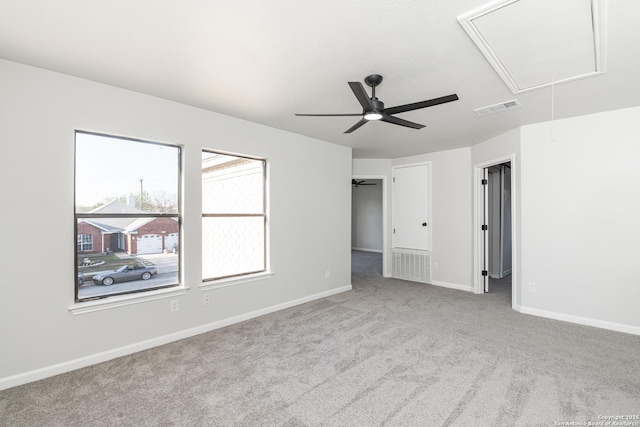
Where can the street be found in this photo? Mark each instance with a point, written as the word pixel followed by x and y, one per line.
pixel 167 265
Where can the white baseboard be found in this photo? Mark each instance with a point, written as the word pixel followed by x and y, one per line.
pixel 60 368
pixel 452 286
pixel 379 251
pixel 612 326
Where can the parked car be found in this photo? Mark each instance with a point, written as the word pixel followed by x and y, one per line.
pixel 125 273
pixel 80 279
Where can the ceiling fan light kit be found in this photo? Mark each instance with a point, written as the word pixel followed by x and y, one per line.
pixel 373 108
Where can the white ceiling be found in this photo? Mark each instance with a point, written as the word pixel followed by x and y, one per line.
pixel 263 61
pixel 531 44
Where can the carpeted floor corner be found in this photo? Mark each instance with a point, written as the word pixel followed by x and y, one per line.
pixel 388 353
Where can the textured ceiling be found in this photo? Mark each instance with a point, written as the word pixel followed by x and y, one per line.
pixel 263 61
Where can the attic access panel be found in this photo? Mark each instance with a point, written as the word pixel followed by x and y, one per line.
pixel 535 43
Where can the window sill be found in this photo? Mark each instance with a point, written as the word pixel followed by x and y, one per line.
pixel 232 281
pixel 123 300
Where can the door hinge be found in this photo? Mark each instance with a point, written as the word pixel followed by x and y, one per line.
pixel 485 182
pixel 394 231
pixel 485 273
pixel 484 227
pixel 394 179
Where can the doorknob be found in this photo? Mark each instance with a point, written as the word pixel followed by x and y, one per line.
pixel 424 224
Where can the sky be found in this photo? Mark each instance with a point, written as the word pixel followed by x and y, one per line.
pixel 113 167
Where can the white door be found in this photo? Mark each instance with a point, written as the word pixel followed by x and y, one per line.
pixel 410 207
pixel 149 244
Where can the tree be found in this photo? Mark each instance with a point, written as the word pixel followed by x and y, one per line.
pixel 161 201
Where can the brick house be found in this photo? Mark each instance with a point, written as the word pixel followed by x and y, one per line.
pixel 135 236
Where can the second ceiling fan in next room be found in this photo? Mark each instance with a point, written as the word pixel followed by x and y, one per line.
pixel 361 182
pixel 373 108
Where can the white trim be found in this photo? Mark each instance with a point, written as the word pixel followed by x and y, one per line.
pixel 232 281
pixel 60 368
pixel 598 16
pixel 466 288
pixel 587 321
pixel 385 252
pixel 380 251
pixel 115 301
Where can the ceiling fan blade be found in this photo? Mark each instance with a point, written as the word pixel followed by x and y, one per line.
pixel 361 94
pixel 329 115
pixel 423 104
pixel 356 126
pixel 401 122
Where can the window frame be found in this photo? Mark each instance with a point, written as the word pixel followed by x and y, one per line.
pixel 83 244
pixel 120 297
pixel 231 279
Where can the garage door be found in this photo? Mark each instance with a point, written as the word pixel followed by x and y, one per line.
pixel 149 244
pixel 170 240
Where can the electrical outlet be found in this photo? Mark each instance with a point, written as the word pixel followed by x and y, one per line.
pixel 533 287
pixel 327 273
pixel 174 306
pixel 206 299
pixel 435 265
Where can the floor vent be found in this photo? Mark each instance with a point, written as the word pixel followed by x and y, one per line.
pixel 414 266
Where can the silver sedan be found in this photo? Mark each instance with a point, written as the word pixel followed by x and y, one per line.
pixel 125 273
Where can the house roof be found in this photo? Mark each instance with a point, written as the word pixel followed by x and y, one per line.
pixel 113 224
pixel 284 57
pixel 116 207
pixel 125 225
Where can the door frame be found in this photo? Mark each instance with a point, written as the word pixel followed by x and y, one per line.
pixel 478 237
pixel 385 251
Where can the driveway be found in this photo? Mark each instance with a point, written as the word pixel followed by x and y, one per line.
pixel 166 263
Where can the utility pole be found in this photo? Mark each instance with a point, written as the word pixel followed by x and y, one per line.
pixel 141 196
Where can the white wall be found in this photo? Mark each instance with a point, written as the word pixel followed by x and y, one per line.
pixel 451 210
pixel 576 204
pixel 580 227
pixel 366 216
pixel 39 111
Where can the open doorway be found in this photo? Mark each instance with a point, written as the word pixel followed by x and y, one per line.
pixel 495 261
pixel 368 225
pixel 499 255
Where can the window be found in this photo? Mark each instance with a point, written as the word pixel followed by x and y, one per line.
pixel 234 217
pixel 127 215
pixel 85 243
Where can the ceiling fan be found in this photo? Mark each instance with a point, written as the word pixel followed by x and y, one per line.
pixel 361 182
pixel 373 108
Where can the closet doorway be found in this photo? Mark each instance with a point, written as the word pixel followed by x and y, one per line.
pixel 499 256
pixel 495 260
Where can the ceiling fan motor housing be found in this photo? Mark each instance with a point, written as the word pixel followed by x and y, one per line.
pixel 378 105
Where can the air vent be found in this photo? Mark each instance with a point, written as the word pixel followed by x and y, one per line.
pixel 414 266
pixel 496 108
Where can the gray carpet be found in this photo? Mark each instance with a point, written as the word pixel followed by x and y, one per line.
pixel 389 353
